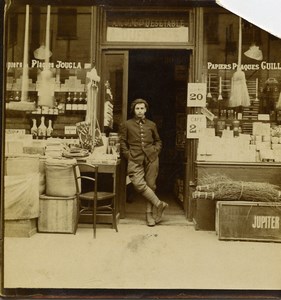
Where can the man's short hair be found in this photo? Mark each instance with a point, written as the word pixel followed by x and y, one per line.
pixel 137 101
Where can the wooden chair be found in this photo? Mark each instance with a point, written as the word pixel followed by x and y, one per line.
pixel 93 202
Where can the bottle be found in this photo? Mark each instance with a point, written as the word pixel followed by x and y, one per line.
pixel 42 129
pixel 74 102
pixel 34 129
pixel 49 130
pixel 68 102
pixel 85 102
pixel 11 98
pixel 56 109
pixel 80 106
pixel 17 97
pixel 236 124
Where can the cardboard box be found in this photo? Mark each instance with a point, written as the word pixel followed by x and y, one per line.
pixel 57 214
pixel 204 214
pixel 20 228
pixel 250 221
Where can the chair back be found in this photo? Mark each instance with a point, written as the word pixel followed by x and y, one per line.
pixel 79 170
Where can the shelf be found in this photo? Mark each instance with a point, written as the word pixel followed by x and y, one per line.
pixel 226 164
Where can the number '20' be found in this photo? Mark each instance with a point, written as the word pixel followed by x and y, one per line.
pixel 194 96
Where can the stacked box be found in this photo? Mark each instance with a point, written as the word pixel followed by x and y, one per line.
pixel 21 202
pixel 20 228
pixel 57 214
pixel 204 214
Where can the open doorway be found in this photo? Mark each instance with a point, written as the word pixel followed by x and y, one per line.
pixel 160 77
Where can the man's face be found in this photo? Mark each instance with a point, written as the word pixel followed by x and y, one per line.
pixel 140 110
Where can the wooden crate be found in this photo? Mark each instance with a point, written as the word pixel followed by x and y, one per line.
pixel 204 214
pixel 251 221
pixel 20 228
pixel 57 214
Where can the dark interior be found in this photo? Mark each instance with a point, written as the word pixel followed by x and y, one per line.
pixel 160 77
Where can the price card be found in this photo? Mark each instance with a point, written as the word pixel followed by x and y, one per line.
pixel 196 94
pixel 15 131
pixel 70 130
pixel 195 125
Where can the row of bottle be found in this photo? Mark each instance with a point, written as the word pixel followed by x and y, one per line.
pixel 15 96
pixel 73 101
pixel 113 146
pixel 76 101
pixel 42 131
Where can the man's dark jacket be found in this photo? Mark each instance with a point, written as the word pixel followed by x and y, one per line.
pixel 139 138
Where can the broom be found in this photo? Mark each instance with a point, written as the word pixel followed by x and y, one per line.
pixel 227 189
pixel 239 95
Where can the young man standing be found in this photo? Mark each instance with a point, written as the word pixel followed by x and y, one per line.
pixel 140 144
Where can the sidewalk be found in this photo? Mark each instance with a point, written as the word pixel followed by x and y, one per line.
pixel 173 256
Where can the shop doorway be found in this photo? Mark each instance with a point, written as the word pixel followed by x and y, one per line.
pixel 160 77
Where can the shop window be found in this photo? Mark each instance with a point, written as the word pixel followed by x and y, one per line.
pixel 241 69
pixel 211 25
pixel 13 28
pixel 67 24
pixel 251 34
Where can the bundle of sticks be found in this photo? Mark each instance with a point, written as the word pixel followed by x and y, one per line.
pixel 224 188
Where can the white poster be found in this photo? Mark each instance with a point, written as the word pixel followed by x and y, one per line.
pixel 196 94
pixel 195 124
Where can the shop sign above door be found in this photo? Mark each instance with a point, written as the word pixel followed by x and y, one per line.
pixel 147 26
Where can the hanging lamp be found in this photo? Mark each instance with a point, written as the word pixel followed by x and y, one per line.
pixel 254 52
pixel 40 53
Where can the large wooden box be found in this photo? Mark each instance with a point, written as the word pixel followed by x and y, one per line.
pixel 20 228
pixel 57 214
pixel 204 214
pixel 251 221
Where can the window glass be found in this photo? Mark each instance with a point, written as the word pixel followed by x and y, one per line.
pixel 260 60
pixel 69 39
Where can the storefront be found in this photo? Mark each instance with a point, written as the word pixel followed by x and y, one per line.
pixel 153 51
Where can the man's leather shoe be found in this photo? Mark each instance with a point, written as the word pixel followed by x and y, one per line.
pixel 149 219
pixel 160 211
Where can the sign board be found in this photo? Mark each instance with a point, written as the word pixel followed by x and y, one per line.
pixel 196 94
pixel 71 130
pixel 15 131
pixel 250 221
pixel 263 117
pixel 207 113
pixel 195 125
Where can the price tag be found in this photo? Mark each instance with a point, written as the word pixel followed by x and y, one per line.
pixel 207 113
pixel 71 130
pixel 195 124
pixel 196 94
pixel 15 131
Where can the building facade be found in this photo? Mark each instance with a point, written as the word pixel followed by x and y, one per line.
pixel 153 50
